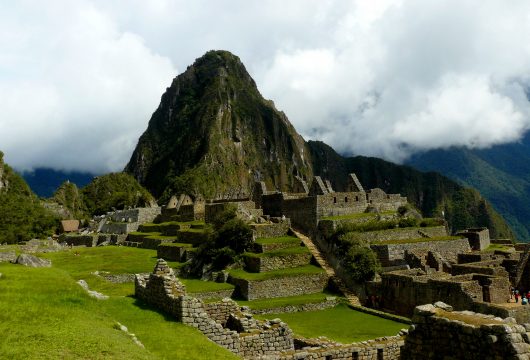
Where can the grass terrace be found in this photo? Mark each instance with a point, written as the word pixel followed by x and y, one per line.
pixel 281 252
pixel 419 240
pixel 340 323
pixel 279 240
pixel 198 286
pixel 301 270
pixel 286 301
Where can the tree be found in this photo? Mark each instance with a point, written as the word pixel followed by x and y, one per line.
pixel 362 263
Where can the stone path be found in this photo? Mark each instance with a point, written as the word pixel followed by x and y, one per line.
pixel 322 261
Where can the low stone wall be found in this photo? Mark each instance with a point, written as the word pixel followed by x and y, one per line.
pixel 171 252
pixel 403 234
pixel 79 240
pixel 327 304
pixel 280 287
pixel 222 322
pixel 440 334
pixel 220 311
pixel 273 229
pixel 489 267
pixel 261 248
pixel 394 254
pixel 119 227
pixel 150 243
pixel 402 291
pixel 260 264
pixel 8 256
pixel 387 348
pixel 219 294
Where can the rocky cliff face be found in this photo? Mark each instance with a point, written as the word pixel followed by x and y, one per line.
pixel 213 134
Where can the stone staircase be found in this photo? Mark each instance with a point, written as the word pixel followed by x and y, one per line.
pixel 330 271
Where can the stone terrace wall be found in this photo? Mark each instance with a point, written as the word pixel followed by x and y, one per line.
pixel 270 263
pixel 140 215
pixel 79 240
pixel 280 287
pixel 274 229
pixel 394 254
pixel 330 302
pixel 403 234
pixel 438 334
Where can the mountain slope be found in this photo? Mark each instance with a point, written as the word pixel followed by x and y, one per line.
pixel 501 174
pixel 430 192
pixel 21 214
pixel 214 134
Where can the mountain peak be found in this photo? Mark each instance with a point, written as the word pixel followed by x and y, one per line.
pixel 213 134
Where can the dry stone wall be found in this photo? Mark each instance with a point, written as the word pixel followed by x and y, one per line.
pixel 444 334
pixel 273 229
pixel 271 263
pixel 280 287
pixel 394 254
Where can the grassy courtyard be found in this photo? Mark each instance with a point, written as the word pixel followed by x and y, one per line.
pixel 44 314
pixel 339 323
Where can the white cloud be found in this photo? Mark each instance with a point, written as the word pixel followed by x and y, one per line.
pixel 79 80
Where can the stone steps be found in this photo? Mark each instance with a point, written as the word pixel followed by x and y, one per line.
pixel 322 261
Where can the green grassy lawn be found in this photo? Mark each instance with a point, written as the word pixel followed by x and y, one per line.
pixel 339 323
pixel 196 286
pixel 279 240
pixel 302 270
pixel 410 241
pixel 44 314
pixel 280 252
pixel 285 301
pixel 500 247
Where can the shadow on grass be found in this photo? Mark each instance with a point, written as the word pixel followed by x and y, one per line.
pixel 145 306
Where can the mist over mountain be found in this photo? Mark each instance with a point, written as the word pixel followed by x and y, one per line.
pixel 501 173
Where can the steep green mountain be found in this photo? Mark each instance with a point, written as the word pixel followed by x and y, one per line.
pixel 500 173
pixel 213 134
pixel 22 216
pixel 430 192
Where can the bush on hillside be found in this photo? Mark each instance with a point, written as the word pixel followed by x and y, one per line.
pixel 361 263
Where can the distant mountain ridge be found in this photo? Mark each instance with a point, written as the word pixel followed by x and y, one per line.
pixel 501 173
pixel 45 181
pixel 213 135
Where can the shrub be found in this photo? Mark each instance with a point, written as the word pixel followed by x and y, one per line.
pixel 235 234
pixel 362 263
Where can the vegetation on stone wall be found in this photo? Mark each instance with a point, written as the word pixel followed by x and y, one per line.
pixel 22 216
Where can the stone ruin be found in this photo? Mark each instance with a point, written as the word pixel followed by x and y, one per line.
pixel 234 327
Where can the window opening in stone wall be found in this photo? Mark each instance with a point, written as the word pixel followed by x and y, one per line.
pixel 346 199
pixel 334 200
pixel 328 357
pixel 356 198
pixel 355 355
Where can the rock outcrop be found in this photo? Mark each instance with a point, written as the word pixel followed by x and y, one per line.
pixel 32 261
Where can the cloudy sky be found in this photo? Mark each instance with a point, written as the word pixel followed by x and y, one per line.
pixel 79 79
